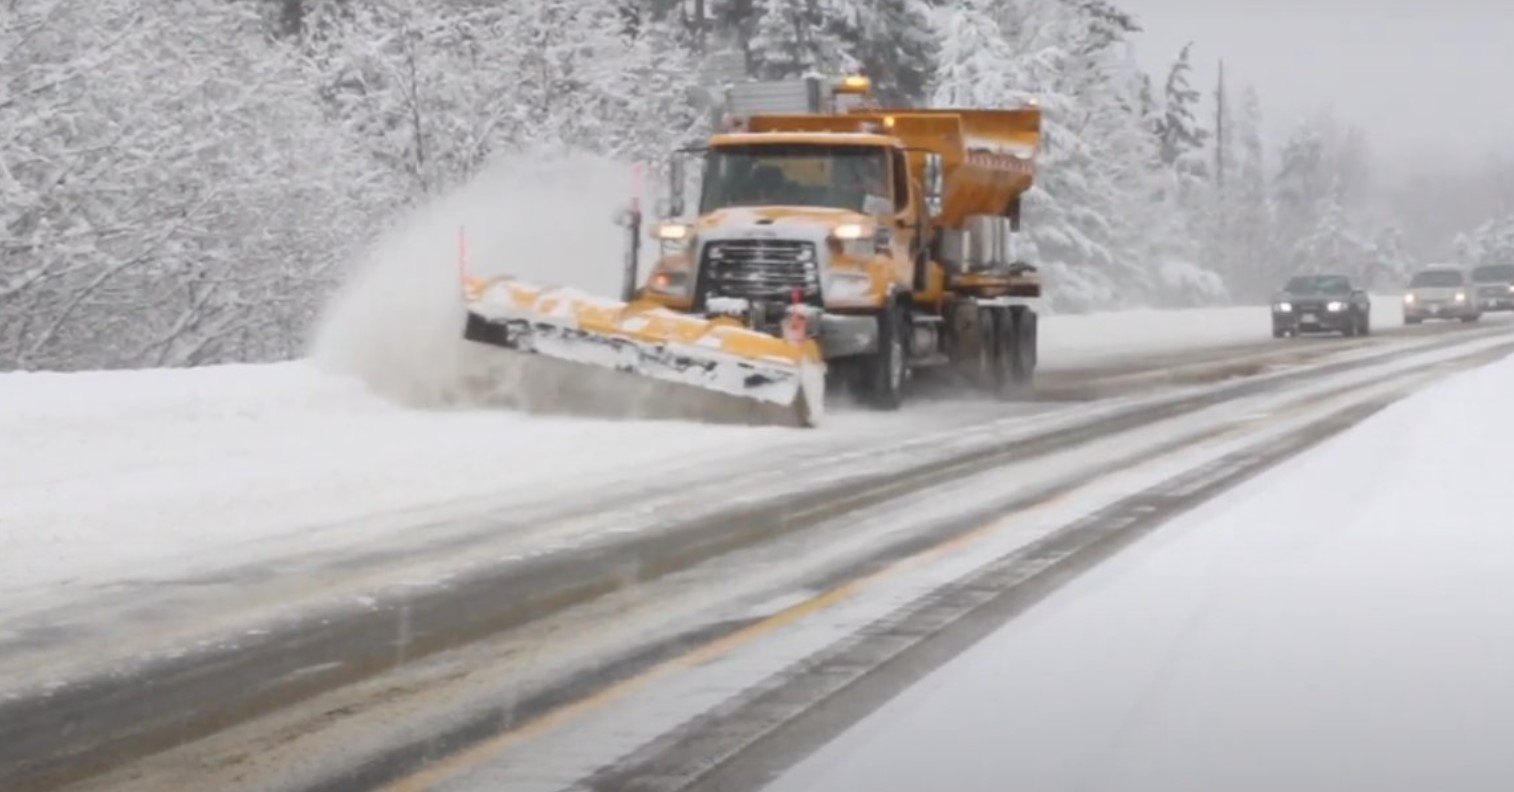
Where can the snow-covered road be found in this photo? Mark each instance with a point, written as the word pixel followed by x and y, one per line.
pixel 1344 622
pixel 756 613
pixel 105 474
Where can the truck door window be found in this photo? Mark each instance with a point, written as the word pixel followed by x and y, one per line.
pixel 901 181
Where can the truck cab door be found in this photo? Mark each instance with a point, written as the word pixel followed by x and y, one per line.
pixel 908 229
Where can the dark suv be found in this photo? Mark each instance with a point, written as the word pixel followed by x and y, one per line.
pixel 1321 304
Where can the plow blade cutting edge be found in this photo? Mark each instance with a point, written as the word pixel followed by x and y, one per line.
pixel 712 370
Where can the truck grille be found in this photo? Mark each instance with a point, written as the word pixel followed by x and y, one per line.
pixel 762 270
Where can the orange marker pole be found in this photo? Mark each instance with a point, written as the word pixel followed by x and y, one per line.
pixel 462 258
pixel 633 237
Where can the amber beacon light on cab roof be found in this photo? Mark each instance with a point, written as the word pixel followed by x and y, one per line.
pixel 830 241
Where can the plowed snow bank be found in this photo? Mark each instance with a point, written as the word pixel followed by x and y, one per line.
pixel 137 473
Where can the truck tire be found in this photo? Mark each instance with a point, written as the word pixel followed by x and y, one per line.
pixel 1022 337
pixel 1014 351
pixel 885 371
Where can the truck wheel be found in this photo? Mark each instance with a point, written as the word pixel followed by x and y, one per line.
pixel 1014 351
pixel 1030 352
pixel 885 371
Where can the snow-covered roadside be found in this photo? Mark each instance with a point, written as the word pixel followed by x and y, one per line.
pixel 104 471
pixel 1343 622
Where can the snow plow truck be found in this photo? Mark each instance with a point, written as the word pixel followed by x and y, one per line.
pixel 833 241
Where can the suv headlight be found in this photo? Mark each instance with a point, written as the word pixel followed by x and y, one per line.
pixel 1409 297
pixel 1283 307
pixel 1335 307
pixel 847 285
pixel 1461 296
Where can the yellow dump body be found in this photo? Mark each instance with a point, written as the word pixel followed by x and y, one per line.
pixel 988 156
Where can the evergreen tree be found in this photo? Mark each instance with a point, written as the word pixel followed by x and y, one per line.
pixel 1301 184
pixel 1251 217
pixel 898 47
pixel 975 52
pixel 1331 245
pixel 798 37
pixel 1182 136
pixel 1392 262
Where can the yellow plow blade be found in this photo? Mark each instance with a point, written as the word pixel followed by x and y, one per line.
pixel 713 370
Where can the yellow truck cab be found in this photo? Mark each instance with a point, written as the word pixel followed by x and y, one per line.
pixel 884 235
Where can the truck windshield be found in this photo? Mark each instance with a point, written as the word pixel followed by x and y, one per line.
pixel 802 174
pixel 1494 273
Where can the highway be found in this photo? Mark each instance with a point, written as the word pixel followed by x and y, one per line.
pixel 678 634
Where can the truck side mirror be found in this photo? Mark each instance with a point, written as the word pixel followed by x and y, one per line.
pixel 934 179
pixel 675 187
pixel 628 216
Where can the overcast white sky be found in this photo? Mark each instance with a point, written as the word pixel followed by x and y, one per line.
pixel 1423 76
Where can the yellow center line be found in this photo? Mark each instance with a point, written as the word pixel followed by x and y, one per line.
pixel 485 752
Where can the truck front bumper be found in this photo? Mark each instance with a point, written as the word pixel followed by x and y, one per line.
pixel 845 335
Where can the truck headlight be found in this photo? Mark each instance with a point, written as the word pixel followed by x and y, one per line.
pixel 671 282
pixel 849 231
pixel 1409 298
pixel 673 232
pixel 844 285
pixel 1335 307
pixel 1284 307
pixel 1461 296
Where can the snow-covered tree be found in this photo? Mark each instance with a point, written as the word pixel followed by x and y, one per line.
pixel 179 178
pixel 798 37
pixel 1391 262
pixel 1302 183
pixel 1491 242
pixel 1250 232
pixel 975 52
pixel 1182 136
pixel 1331 244
pixel 167 189
pixel 897 46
